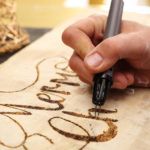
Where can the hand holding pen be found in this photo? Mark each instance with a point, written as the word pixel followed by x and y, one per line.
pixel 104 80
pixel 129 51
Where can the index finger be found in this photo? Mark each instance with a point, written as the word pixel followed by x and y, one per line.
pixel 80 35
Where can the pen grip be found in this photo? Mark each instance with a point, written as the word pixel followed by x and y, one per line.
pixel 103 84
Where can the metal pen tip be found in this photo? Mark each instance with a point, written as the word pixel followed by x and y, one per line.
pixel 95 111
pixel 99 109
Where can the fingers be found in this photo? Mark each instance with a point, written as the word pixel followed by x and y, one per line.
pixel 77 65
pixel 108 52
pixel 122 80
pixel 83 35
pixel 130 26
pixel 132 45
pixel 80 36
pixel 142 78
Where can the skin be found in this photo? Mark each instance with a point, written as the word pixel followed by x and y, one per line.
pixel 128 52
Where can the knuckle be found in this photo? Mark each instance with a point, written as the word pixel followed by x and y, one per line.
pixel 93 17
pixel 108 43
pixel 97 19
pixel 111 48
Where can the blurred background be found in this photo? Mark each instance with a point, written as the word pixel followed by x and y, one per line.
pixel 50 13
pixel 40 16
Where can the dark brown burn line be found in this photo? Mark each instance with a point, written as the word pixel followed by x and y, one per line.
pixel 25 148
pixel 70 135
pixel 64 79
pixel 105 136
pixel 63 82
pixel 62 62
pixel 37 78
pixel 104 111
pixel 20 126
pixel 33 83
pixel 48 89
pixel 55 87
pixel 89 117
pixel 48 98
pixel 40 135
pixel 60 107
pixel 41 96
pixel 66 68
pixel 65 75
pixel 20 112
pixel 84 146
pixel 43 136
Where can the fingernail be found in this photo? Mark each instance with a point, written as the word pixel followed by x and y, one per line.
pixel 93 60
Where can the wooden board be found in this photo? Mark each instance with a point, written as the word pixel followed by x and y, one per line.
pixel 40 112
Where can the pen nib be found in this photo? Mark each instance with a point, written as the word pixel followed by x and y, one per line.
pixel 99 109
pixel 95 110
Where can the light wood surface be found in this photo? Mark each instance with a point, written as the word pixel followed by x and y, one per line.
pixel 29 120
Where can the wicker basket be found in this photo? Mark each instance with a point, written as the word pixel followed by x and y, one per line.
pixel 12 37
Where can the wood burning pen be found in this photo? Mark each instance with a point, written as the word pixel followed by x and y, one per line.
pixel 103 81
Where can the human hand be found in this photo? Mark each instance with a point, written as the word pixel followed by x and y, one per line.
pixel 128 52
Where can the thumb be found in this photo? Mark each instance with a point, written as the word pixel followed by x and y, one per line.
pixel 123 46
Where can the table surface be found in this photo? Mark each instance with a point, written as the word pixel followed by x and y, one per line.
pixel 37 113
